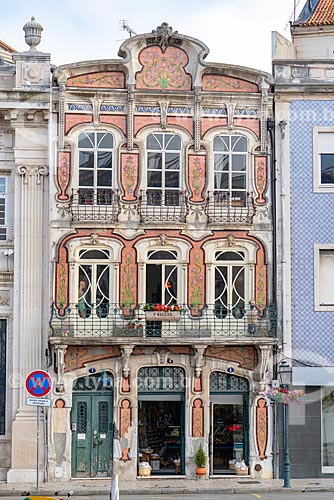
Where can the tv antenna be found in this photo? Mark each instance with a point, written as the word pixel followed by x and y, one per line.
pixel 293 14
pixel 124 25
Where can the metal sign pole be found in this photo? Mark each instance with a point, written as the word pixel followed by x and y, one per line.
pixel 37 451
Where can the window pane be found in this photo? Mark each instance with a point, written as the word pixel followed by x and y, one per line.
pixel 327 168
pixel 238 143
pixel 86 160
pixel 173 142
pixel 153 178
pixel 172 179
pixel 170 285
pixel 221 181
pixel 172 198
pixel 230 256
pixel 239 162
pixel 2 211
pixel 104 178
pixel 2 185
pixel 172 161
pixel 86 140
pixel 221 162
pixel 105 141
pixel 154 142
pixel 238 181
pixel 104 159
pixel 94 254
pixel 154 198
pixel 86 178
pixel 326 285
pixel 162 255
pixel 221 143
pixel 154 161
pixel 328 426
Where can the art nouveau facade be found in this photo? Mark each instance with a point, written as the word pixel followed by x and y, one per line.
pixel 148 190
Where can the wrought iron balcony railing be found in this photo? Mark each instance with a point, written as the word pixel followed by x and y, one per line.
pixel 224 207
pixel 94 205
pixel 163 206
pixel 114 320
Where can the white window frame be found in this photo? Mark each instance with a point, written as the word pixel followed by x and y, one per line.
pixel 317 284
pixel 317 186
pixel 4 195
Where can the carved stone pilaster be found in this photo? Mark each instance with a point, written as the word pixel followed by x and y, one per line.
pixel 265 365
pixel 60 353
pixel 131 99
pixel 28 172
pixel 230 116
pixel 61 116
pixel 264 115
pixel 163 113
pixel 126 353
pixel 197 119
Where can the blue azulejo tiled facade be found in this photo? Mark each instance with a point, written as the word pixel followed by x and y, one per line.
pixel 312 216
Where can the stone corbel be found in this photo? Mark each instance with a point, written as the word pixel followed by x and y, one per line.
pixel 230 116
pixel 265 368
pixel 126 353
pixel 60 353
pixel 96 103
pixel 162 354
pixel 198 358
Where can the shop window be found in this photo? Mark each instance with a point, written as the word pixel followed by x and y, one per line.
pixel 230 283
pixel 324 277
pixel 230 169
pixel 163 169
pixel 327 406
pixel 96 150
pixel 3 325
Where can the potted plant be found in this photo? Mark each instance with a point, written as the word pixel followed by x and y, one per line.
pixel 282 395
pixel 200 462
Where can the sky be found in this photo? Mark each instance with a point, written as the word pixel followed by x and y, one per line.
pixel 235 31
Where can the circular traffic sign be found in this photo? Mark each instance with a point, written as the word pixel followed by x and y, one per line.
pixel 38 383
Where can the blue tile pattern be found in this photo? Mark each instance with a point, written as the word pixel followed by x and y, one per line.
pixel 312 216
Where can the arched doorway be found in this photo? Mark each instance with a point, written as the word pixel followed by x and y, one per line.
pixel 229 440
pixel 92 425
pixel 161 418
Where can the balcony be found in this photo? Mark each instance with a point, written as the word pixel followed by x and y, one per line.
pixel 163 206
pixel 230 208
pixel 209 321
pixel 88 205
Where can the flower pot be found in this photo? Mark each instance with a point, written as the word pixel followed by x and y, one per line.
pixel 200 471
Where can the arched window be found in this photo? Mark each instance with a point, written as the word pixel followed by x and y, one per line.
pixel 163 169
pixel 95 168
pixel 230 168
pixel 162 270
pixel 94 282
pixel 230 282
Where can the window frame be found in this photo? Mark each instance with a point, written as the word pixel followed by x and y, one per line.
pixel 317 186
pixel 317 285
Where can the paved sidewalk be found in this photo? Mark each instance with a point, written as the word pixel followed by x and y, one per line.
pixel 173 486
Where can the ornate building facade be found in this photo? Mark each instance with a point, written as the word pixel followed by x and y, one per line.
pixel 143 260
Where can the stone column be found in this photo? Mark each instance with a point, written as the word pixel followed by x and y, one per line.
pixel 28 307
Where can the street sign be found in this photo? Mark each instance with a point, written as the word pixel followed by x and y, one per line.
pixel 38 383
pixel 38 401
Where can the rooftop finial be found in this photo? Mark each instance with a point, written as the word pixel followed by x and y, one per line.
pixel 33 32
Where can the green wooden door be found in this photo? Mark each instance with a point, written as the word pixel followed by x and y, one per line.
pixel 92 429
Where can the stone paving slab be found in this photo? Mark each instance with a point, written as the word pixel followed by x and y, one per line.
pixel 175 486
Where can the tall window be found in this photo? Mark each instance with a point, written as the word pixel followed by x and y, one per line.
pixel 3 208
pixel 94 284
pixel 2 375
pixel 324 277
pixel 95 167
pixel 230 168
pixel 230 283
pixel 163 169
pixel 162 277
pixel 326 158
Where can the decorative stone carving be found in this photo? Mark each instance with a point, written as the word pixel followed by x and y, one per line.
pixel 198 418
pixel 261 427
pixel 126 353
pixel 199 359
pixel 131 98
pixel 96 103
pixel 264 367
pixel 129 176
pixel 196 177
pixel 63 174
pixel 230 116
pixel 230 241
pixel 60 353
pixel 162 239
pixel 28 172
pixel 4 297
pixel 165 35
pixel 33 34
pixel 163 114
pixel 198 102
pixel 162 354
pixel 94 239
pixel 260 177
pixel 125 425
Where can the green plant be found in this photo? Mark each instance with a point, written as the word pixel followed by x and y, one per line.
pixel 200 458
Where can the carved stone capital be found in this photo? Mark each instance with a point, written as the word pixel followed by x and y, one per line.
pixel 198 358
pixel 30 171
pixel 126 353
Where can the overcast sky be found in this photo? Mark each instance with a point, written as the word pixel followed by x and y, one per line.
pixel 236 31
